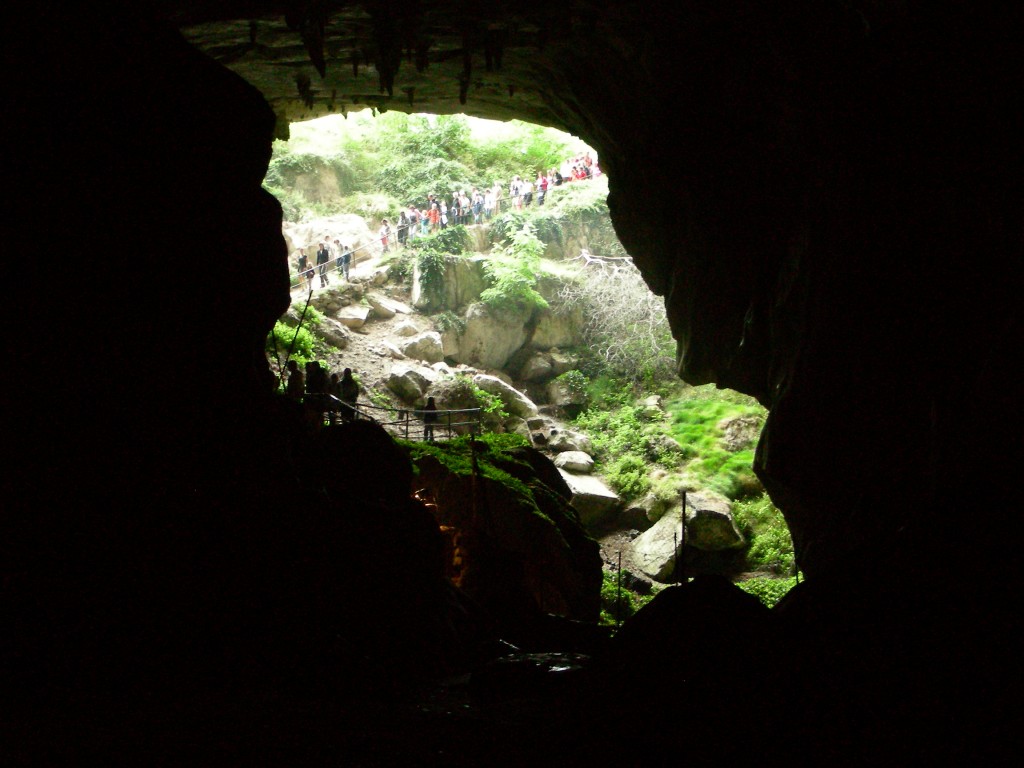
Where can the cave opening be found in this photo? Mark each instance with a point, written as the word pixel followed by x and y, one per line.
pixel 595 377
pixel 850 192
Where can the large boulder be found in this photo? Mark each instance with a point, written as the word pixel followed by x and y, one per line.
pixel 353 316
pixel 491 336
pixel 537 367
pixel 577 462
pixel 515 402
pixel 462 283
pixel 385 307
pixel 709 528
pixel 425 346
pixel 410 382
pixel 556 329
pixel 523 548
pixel 740 432
pixel 332 332
pixel 592 498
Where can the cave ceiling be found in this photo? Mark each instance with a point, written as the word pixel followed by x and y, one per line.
pixel 320 58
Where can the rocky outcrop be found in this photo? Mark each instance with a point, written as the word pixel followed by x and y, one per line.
pixel 592 498
pixel 522 548
pixel 425 346
pixel 491 336
pixel 410 382
pixel 514 401
pixel 709 528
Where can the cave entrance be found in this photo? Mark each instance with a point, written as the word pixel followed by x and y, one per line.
pixel 530 287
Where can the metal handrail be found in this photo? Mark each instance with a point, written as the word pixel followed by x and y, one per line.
pixel 403 422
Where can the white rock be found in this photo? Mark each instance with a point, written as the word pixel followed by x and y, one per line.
pixel 515 402
pixel 575 461
pixel 405 328
pixel 594 500
pixel 354 316
pixel 425 346
pixel 409 382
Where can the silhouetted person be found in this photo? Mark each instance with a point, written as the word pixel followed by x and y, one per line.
pixel 349 393
pixel 296 386
pixel 429 419
pixel 316 378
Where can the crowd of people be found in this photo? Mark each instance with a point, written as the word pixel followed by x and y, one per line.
pixel 460 207
pixel 315 388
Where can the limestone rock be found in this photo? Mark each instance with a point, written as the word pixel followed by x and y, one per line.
pixel 409 382
pixel 709 523
pixel 592 498
pixel 654 551
pixel 709 527
pixel 740 432
pixel 380 306
pixel 425 346
pixel 568 399
pixel 491 336
pixel 536 368
pixel 390 350
pixel 577 462
pixel 405 328
pixel 516 403
pixel 561 362
pixel 354 316
pixel 567 440
pixel 333 333
pixel 555 330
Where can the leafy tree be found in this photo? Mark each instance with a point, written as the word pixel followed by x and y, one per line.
pixel 514 271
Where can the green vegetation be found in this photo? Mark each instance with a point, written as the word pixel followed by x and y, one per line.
pixel 575 383
pixel 771 547
pixel 492 452
pixel 488 403
pixel 693 424
pixel 403 158
pixel 625 349
pixel 617 604
pixel 769 591
pixel 514 272
pixel 284 337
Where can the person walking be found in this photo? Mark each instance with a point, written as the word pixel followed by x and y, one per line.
pixel 323 255
pixel 296 386
pixel 542 187
pixel 429 419
pixel 349 389
pixel 385 235
pixel 301 260
pixel 403 228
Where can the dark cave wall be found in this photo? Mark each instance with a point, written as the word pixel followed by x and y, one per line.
pixel 829 198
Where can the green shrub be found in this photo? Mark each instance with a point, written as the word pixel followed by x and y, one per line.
pixel 514 270
pixel 627 474
pixel 769 591
pixel 448 320
pixel 617 604
pixel 770 544
pixel 279 341
pixel 576 383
